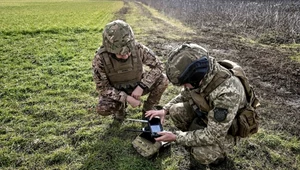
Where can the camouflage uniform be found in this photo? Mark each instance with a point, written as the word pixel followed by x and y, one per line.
pixel 112 100
pixel 208 137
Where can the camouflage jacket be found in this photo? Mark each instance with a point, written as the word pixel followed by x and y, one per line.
pixel 229 95
pixel 148 78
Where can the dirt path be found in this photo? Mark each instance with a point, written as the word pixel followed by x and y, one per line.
pixel 274 76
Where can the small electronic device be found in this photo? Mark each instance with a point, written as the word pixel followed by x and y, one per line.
pixel 155 127
pixel 152 129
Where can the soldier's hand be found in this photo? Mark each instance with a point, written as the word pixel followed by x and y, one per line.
pixel 137 92
pixel 160 113
pixel 133 102
pixel 166 137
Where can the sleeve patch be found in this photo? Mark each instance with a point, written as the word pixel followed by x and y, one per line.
pixel 220 114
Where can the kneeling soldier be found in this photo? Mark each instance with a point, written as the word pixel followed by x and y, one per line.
pixel 119 75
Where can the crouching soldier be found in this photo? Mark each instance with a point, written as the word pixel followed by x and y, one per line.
pixel 119 74
pixel 215 108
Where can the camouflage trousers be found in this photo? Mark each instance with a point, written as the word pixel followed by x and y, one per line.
pixel 107 106
pixel 185 119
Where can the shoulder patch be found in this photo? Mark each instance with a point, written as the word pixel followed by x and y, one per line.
pixel 220 114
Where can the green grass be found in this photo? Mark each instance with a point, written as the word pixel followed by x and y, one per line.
pixel 295 48
pixel 47 91
pixel 268 149
pixel 54 16
pixel 48 97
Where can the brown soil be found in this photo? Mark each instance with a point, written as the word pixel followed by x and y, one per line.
pixel 274 76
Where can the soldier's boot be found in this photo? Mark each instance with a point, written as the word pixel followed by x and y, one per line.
pixel 219 161
pixel 120 115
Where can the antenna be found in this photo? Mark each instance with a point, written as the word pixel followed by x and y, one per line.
pixel 138 120
pixel 133 130
pixel 153 127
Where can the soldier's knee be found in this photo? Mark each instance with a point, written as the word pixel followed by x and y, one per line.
pixel 175 110
pixel 177 117
pixel 161 83
pixel 172 113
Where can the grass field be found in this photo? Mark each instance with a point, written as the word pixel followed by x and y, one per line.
pixel 46 48
pixel 48 97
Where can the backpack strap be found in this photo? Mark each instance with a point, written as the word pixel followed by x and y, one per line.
pixel 199 102
pixel 239 72
pixel 218 79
